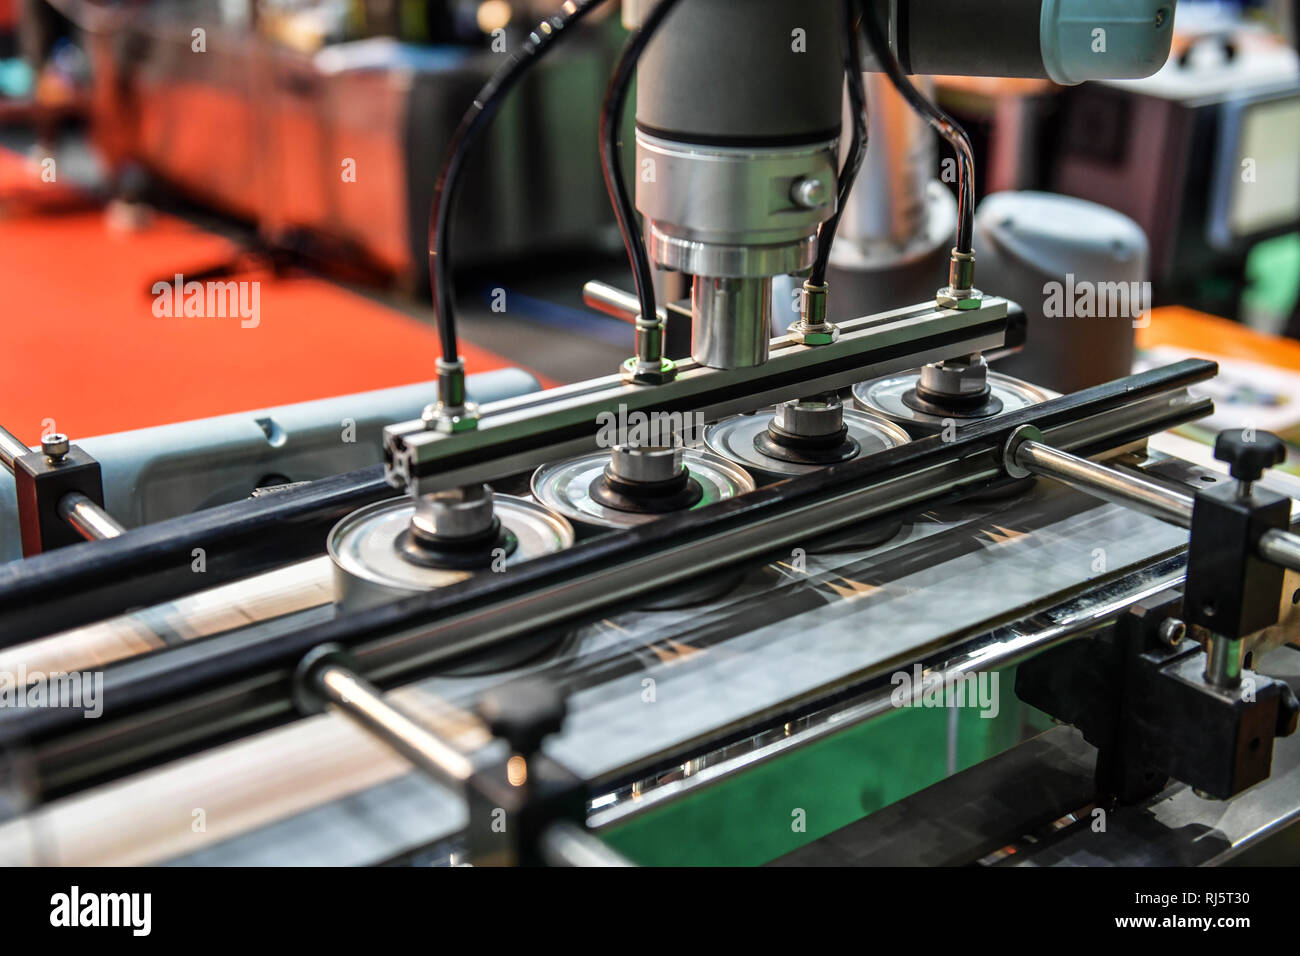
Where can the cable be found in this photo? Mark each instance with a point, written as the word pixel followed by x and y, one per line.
pixel 945 125
pixel 857 146
pixel 485 107
pixel 611 121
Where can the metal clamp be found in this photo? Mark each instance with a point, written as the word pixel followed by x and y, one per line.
pixel 60 493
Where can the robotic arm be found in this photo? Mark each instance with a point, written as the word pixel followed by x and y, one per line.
pixel 738 124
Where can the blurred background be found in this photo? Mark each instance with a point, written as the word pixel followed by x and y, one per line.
pixel 297 143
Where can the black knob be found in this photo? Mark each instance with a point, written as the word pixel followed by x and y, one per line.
pixel 1250 453
pixel 523 711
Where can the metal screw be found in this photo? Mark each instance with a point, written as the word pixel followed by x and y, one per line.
pixel 55 447
pixel 1172 631
pixel 809 193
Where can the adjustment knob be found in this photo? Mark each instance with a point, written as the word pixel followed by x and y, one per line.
pixel 523 712
pixel 1249 458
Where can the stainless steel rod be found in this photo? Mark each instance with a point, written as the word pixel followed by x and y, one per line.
pixel 1281 547
pixel 364 704
pixel 569 844
pixel 615 302
pixel 1106 483
pixel 562 844
pixel 10 448
pixel 91 521
pixel 1223 662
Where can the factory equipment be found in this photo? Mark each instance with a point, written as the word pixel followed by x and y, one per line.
pixel 612 597
pixel 325 143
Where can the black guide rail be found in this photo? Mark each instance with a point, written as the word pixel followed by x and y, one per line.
pixel 92 580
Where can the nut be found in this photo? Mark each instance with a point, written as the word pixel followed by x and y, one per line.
pixel 826 334
pixel 950 298
pixel 450 419
pixel 634 373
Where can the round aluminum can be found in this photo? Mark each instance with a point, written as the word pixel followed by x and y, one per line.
pixel 884 397
pixel 369 570
pixel 563 487
pixel 733 439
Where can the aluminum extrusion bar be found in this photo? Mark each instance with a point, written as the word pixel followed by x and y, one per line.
pixel 517 434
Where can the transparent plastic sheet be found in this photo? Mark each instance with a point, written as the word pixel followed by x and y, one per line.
pixel 736 646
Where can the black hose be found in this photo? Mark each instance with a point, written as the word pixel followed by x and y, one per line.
pixel 944 124
pixel 611 121
pixel 485 107
pixel 857 146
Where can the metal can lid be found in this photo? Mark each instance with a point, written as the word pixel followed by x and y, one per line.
pixel 564 487
pixel 364 544
pixel 884 397
pixel 733 439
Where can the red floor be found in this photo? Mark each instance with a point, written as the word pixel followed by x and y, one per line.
pixel 82 352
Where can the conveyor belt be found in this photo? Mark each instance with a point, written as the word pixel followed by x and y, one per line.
pixel 778 643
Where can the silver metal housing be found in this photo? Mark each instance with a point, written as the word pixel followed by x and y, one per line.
pixel 733 217
pixel 733 212
pixel 731 320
